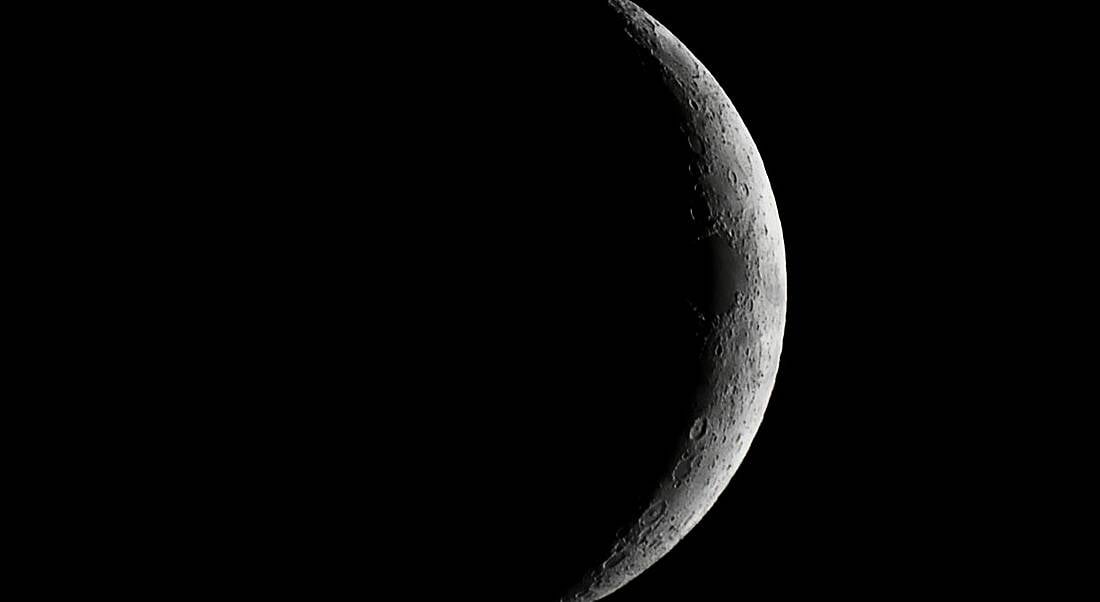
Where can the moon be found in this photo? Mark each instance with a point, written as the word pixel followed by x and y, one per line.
pixel 571 295
pixel 740 312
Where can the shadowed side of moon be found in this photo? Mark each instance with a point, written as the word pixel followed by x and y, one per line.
pixel 588 280
pixel 528 310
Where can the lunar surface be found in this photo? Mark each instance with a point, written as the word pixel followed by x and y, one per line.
pixel 739 313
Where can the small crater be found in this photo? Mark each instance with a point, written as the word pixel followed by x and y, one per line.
pixel 655 511
pixel 614 561
pixel 698 429
pixel 683 469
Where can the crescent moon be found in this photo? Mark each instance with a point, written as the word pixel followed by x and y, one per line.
pixel 737 227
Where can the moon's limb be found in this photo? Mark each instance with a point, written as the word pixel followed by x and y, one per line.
pixel 743 319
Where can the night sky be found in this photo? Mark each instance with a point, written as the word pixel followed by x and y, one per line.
pixel 403 312
pixel 880 466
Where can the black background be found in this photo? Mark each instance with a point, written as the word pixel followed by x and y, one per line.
pixel 374 233
pixel 905 150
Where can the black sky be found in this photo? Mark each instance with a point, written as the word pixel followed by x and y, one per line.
pixel 374 304
pixel 898 144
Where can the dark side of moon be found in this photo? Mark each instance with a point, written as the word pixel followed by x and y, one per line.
pixel 582 266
